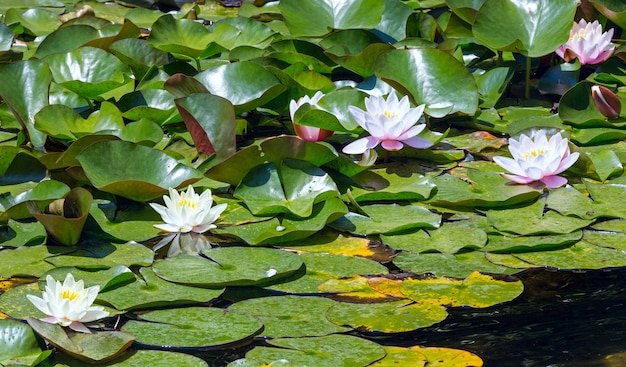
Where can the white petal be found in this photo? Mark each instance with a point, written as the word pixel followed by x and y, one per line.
pixel 361 145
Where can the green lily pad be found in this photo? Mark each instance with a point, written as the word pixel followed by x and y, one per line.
pixel 149 291
pixel 245 84
pixel 105 255
pixel 571 202
pixel 154 104
pixel 508 244
pixel 15 234
pixel 321 267
pixel 229 266
pixel 95 347
pixel 146 176
pixel 42 194
pixel 322 351
pixel 198 327
pixel 87 71
pixel 458 265
pixel 157 358
pixel 477 290
pixel 63 122
pixel 138 55
pixel 28 260
pixel 318 17
pixel 387 219
pixel 19 166
pixel 18 345
pixel 431 77
pixel 428 356
pixel 614 240
pixel 387 317
pixel 380 184
pixel 445 239
pixel 606 199
pixel 531 27
pixel 532 220
pixel 482 190
pixel 582 255
pixel 294 189
pixel 111 278
pixel 291 316
pixel 130 223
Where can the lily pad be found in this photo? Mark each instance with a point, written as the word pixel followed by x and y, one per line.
pixel 387 317
pixel 459 265
pixel 149 291
pixel 95 347
pixel 28 260
pixel 15 234
pixel 105 255
pixel 582 255
pixel 229 266
pixel 18 345
pixel 63 122
pixel 445 239
pixel 146 176
pixel 198 327
pixel 477 290
pixel 322 351
pixel 42 194
pixel 291 316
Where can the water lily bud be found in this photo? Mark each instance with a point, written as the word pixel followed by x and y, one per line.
pixel 606 101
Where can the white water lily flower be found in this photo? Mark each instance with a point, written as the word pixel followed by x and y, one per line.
pixel 538 159
pixel 587 43
pixel 390 123
pixel 69 304
pixel 188 211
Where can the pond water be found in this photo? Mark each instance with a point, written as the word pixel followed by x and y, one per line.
pixel 563 319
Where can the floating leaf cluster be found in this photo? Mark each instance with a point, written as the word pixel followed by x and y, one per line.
pixel 108 106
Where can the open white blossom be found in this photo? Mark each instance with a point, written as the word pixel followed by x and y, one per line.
pixel 390 123
pixel 69 304
pixel 538 159
pixel 188 211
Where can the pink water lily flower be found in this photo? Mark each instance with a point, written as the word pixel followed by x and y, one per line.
pixel 69 304
pixel 587 43
pixel 390 123
pixel 304 132
pixel 538 159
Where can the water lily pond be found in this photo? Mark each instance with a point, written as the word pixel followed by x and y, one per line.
pixel 328 183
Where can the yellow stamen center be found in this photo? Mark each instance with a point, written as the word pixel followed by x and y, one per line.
pixel 390 114
pixel 534 153
pixel 69 294
pixel 188 203
pixel 578 35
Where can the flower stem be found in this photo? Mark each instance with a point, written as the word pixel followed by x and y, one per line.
pixel 527 79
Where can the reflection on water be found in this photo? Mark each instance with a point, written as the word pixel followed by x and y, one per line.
pixel 561 320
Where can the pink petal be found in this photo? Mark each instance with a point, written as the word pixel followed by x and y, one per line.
pixel 361 145
pixel 417 142
pixel 553 182
pixel 392 145
pixel 518 179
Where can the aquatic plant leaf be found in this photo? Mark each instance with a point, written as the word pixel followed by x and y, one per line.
pixel 67 226
pixel 492 84
pixel 87 71
pixel 458 265
pixel 319 17
pixel 541 26
pixel 606 199
pixel 111 278
pixel 582 255
pixel 18 345
pixel 448 357
pixel 387 219
pixel 229 266
pixel 387 317
pixel 154 104
pixel 143 131
pixel 104 255
pixel 24 87
pixel 36 22
pixel 577 107
pixel 355 49
pixel 321 267
pixel 18 165
pixel 138 55
pixel 198 327
pixel 130 223
pixel 321 351
pixel 291 316
pixel 145 176
pixel 614 10
pixel 211 121
pixel 398 356
pixel 614 240
pixel 16 234
pixel 480 190
pixel 431 77
pixel 353 289
pixel 570 202
pixel 333 243
pixel 157 358
pixel 95 347
pixel 41 195
pixel 514 244
pixel 247 85
pixel 477 290
pixel 28 260
pixel 6 38
pixel 290 228
pixel 379 184
pixel 607 164
pixel 294 189
pixel 150 291
pixel 63 122
pixel 532 220
pixel 445 239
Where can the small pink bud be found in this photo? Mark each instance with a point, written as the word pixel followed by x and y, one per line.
pixel 606 101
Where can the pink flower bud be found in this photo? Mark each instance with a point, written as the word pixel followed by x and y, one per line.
pixel 606 101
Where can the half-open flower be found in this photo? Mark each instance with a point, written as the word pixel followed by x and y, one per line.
pixel 587 43
pixel 188 211
pixel 69 304
pixel 606 101
pixel 304 132
pixel 390 123
pixel 538 158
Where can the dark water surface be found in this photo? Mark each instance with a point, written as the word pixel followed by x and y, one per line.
pixel 563 319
